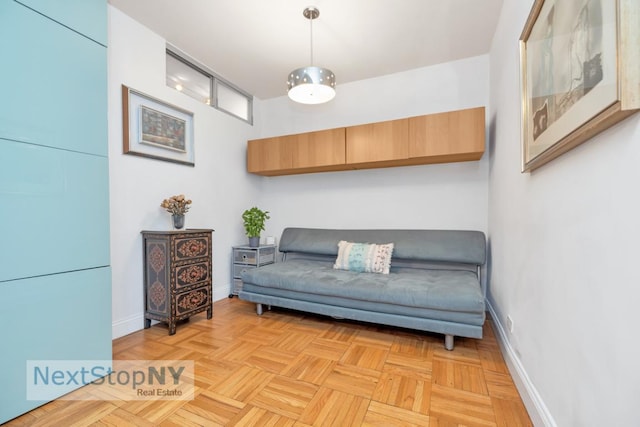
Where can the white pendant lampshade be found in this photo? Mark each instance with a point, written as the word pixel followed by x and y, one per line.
pixel 311 85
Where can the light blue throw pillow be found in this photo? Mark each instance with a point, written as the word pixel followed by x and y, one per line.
pixel 364 257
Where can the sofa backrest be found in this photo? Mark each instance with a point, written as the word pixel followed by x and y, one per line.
pixel 448 246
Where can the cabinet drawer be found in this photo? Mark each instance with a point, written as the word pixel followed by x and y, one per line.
pixel 239 268
pixel 53 192
pixel 192 274
pixel 254 257
pixel 187 302
pixel 191 247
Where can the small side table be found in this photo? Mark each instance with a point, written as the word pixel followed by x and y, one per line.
pixel 245 257
pixel 177 275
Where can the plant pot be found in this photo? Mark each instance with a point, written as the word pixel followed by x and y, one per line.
pixel 178 221
pixel 254 242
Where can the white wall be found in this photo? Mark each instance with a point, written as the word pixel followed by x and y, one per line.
pixel 405 197
pixel 430 196
pixel 564 247
pixel 218 184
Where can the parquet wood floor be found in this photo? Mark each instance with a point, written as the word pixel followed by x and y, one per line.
pixel 287 368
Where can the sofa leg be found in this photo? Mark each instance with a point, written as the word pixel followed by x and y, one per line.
pixel 259 309
pixel 448 342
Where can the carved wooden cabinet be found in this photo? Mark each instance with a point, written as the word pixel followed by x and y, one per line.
pixel 177 275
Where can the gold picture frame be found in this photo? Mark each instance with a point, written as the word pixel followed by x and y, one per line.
pixel 154 129
pixel 580 73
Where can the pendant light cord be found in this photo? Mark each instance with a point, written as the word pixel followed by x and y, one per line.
pixel 311 37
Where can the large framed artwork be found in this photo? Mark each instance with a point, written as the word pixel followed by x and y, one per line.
pixel 155 129
pixel 580 73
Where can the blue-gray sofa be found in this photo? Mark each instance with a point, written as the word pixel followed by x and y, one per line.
pixel 434 281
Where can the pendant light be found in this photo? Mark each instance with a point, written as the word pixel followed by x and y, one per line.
pixel 311 85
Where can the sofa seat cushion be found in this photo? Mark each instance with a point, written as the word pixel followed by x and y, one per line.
pixel 451 295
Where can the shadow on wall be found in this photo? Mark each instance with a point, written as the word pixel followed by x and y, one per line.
pixel 491 142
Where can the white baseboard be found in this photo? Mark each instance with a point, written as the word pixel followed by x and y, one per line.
pixel 538 411
pixel 127 325
pixel 135 322
pixel 220 292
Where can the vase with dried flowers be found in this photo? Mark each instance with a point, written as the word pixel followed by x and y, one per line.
pixel 177 206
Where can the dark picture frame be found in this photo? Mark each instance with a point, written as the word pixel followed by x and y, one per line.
pixel 155 129
pixel 579 63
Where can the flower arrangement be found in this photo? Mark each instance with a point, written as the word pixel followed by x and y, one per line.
pixel 176 205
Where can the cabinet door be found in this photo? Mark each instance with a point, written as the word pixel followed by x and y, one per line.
pixel 57 95
pixel 55 210
pixel 448 137
pixel 300 153
pixel 378 142
pixel 62 317
pixel 269 155
pixel 88 17
pixel 316 149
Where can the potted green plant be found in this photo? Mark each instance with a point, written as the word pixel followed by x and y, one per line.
pixel 254 220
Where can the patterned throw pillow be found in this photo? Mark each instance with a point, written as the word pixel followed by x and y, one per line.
pixel 364 257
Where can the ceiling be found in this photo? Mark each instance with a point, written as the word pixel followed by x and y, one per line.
pixel 254 44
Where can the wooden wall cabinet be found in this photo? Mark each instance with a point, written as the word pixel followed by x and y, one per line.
pixel 378 142
pixel 320 149
pixel 454 136
pixel 301 153
pixel 269 154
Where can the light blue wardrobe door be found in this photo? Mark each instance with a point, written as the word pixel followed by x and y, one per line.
pixel 54 89
pixel 54 215
pixel 57 317
pixel 88 17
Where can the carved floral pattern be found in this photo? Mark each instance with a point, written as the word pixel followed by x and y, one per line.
pixel 192 274
pixel 192 248
pixel 192 300
pixel 157 294
pixel 157 258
